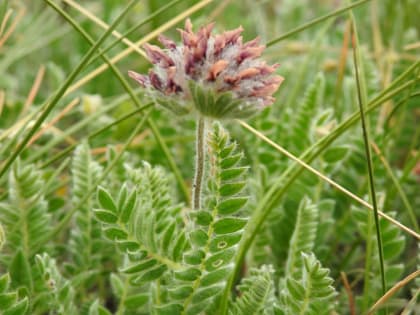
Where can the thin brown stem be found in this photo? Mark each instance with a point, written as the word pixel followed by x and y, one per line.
pixel 349 292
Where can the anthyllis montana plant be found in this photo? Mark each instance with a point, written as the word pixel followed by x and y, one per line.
pixel 219 76
pixel 178 260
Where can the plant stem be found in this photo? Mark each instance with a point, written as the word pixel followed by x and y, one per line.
pixel 200 151
pixel 362 100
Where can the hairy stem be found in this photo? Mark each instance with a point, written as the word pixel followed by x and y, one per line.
pixel 200 151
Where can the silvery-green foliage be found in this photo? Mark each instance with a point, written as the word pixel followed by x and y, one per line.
pixel 147 228
pixel 10 301
pixel 216 229
pixel 142 222
pixel 25 218
pixel 310 293
pixel 188 257
pixel 59 291
pixel 298 130
pixel 257 294
pixel 90 251
pixel 303 237
pixel 24 214
pixel 302 119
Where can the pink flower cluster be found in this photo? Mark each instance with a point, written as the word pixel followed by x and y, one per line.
pixel 221 63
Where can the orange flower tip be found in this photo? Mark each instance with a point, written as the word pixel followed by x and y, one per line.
pixel 188 25
pixel 252 43
pixel 232 37
pixel 266 90
pixel 206 30
pixel 215 69
pixel 248 73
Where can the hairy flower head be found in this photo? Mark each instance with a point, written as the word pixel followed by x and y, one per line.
pixel 218 75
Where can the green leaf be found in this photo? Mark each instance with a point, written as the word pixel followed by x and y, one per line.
pixel 179 247
pixel 106 201
pixel 149 275
pixel 189 274
pixel 336 154
pixel 114 233
pixel 296 290
pixel 127 245
pixel 4 283
pixel 229 225
pixel 8 299
pixel 136 301
pixel 180 292
pixel 20 272
pixel 203 218
pixel 105 216
pixel 19 308
pixel 216 276
pixel 169 309
pixel 206 293
pixel 223 242
pixel 232 173
pixel 141 266
pixel 194 257
pixel 232 205
pixel 96 309
pixel 117 285
pixel 167 237
pixel 199 237
pixel 122 197
pixel 220 259
pixel 231 161
pixel 231 189
pixel 127 209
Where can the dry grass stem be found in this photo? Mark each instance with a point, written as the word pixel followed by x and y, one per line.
pixel 327 179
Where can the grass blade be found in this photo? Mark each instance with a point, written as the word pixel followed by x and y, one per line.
pixel 315 22
pixel 62 90
pixel 362 96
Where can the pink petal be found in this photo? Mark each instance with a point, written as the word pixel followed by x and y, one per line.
pixel 142 79
pixel 216 68
pixel 265 90
pixel 250 53
pixel 252 43
pixel 168 43
pixel 157 56
pixel 248 73
pixel 188 25
pixel 219 44
pixel 155 80
pixel 231 37
pixel 188 60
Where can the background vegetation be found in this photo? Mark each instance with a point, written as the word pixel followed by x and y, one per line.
pixel 95 180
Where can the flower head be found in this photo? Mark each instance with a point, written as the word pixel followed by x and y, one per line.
pixel 218 75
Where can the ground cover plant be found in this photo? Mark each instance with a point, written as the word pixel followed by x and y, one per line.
pixel 264 160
